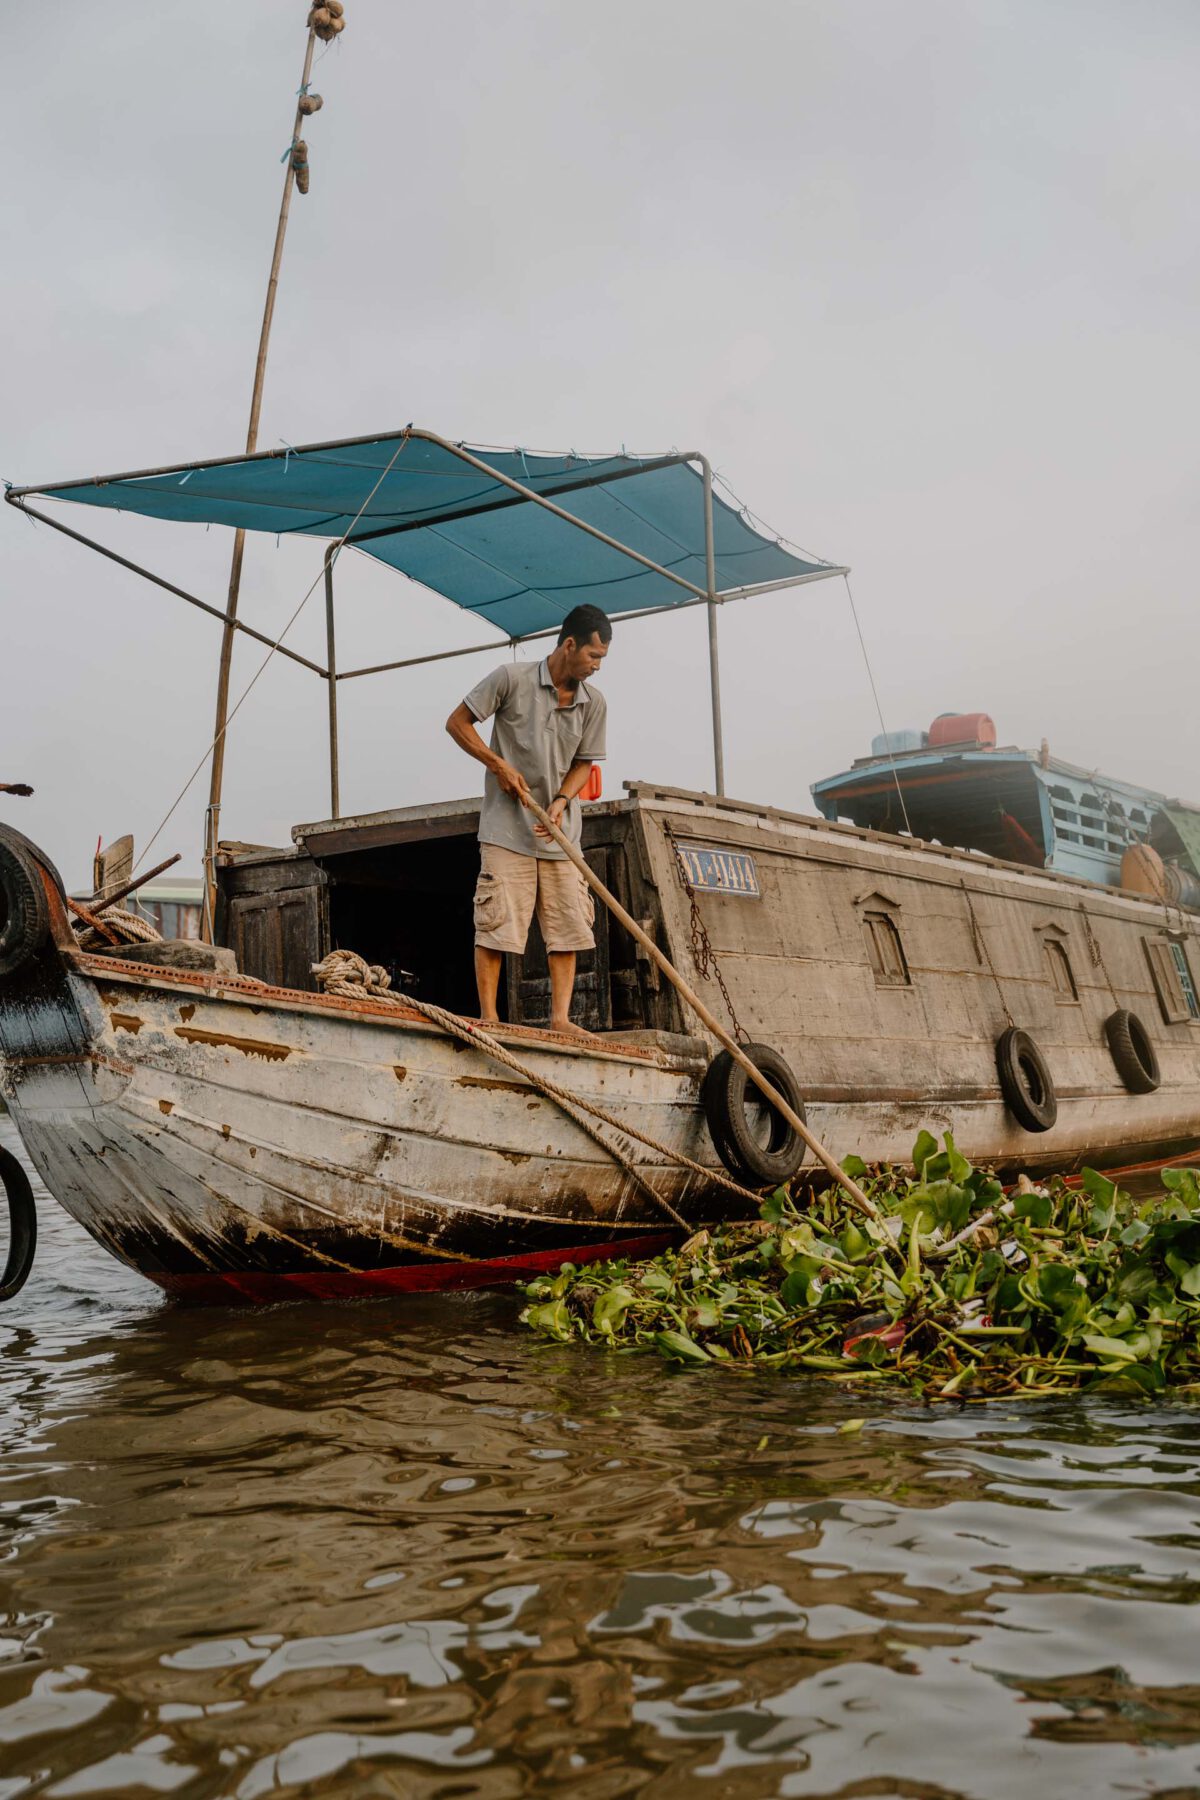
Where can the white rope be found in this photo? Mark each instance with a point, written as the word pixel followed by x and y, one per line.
pixel 232 714
pixel 130 927
pixel 345 972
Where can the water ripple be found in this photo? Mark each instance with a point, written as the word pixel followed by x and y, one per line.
pixel 404 1549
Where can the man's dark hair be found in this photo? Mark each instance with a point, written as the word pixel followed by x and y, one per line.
pixel 582 621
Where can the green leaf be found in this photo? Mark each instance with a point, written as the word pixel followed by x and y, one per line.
pixel 771 1209
pixel 849 1427
pixel 1185 1183
pixel 854 1243
pixel 1136 1282
pixel 936 1203
pixel 1057 1286
pixel 797 1240
pixel 676 1346
pixel 1110 1349
pixel 960 1168
pixel 1009 1298
pixel 1037 1208
pixel 794 1292
pixel 854 1167
pixel 552 1318
pixel 657 1281
pixel 1148 1376
pixel 608 1314
pixel 922 1150
pixel 1103 1194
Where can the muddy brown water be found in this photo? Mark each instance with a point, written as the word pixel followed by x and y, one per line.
pixel 405 1548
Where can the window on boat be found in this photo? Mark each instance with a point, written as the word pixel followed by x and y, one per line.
pixel 1064 813
pixel 1062 976
pixel 1173 980
pixel 1185 980
pixel 889 965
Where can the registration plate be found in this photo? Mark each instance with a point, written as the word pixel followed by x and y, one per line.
pixel 720 871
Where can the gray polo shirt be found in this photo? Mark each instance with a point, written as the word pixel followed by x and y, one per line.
pixel 539 738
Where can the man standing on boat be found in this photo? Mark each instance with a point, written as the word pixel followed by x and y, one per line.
pixel 549 729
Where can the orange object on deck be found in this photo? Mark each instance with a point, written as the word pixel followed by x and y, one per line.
pixel 976 729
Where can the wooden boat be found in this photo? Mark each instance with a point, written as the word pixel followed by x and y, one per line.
pixel 235 1134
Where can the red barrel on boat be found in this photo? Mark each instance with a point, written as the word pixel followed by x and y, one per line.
pixel 976 729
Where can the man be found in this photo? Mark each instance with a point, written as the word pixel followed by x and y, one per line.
pixel 549 730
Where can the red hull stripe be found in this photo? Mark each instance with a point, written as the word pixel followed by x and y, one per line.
pixel 259 1287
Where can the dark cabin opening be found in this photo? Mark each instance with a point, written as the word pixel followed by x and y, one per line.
pixel 409 906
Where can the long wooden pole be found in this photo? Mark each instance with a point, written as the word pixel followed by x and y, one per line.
pixel 697 1005
pixel 217 773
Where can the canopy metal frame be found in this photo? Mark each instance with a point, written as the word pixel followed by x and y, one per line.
pixel 708 596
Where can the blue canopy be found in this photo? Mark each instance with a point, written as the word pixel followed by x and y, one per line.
pixel 413 501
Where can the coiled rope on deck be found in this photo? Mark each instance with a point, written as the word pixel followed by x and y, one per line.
pixel 346 973
pixel 130 927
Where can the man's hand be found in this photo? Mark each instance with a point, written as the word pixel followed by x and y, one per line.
pixel 462 726
pixel 21 788
pixel 512 782
pixel 554 811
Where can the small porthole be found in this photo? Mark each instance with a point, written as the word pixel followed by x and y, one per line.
pixel 1062 976
pixel 885 952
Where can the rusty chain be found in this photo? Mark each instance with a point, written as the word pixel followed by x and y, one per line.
pixel 1096 953
pixel 703 954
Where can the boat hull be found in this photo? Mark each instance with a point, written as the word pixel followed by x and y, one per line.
pixel 234 1139
pixel 234 1142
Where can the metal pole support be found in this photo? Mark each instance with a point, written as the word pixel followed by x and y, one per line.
pixel 714 667
pixel 335 809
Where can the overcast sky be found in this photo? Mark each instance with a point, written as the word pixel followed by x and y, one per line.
pixel 921 279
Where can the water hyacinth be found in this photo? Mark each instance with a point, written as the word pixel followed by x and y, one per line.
pixel 952 1289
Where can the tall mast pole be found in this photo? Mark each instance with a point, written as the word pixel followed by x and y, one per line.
pixel 217 774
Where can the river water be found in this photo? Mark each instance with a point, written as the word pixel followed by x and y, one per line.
pixel 406 1548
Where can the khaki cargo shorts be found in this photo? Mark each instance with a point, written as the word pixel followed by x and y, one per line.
pixel 511 887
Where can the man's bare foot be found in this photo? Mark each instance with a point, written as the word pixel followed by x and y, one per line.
pixel 568 1028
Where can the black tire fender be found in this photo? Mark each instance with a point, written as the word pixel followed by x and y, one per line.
pixel 724 1096
pixel 22 1225
pixel 24 911
pixel 1132 1051
pixel 1025 1080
